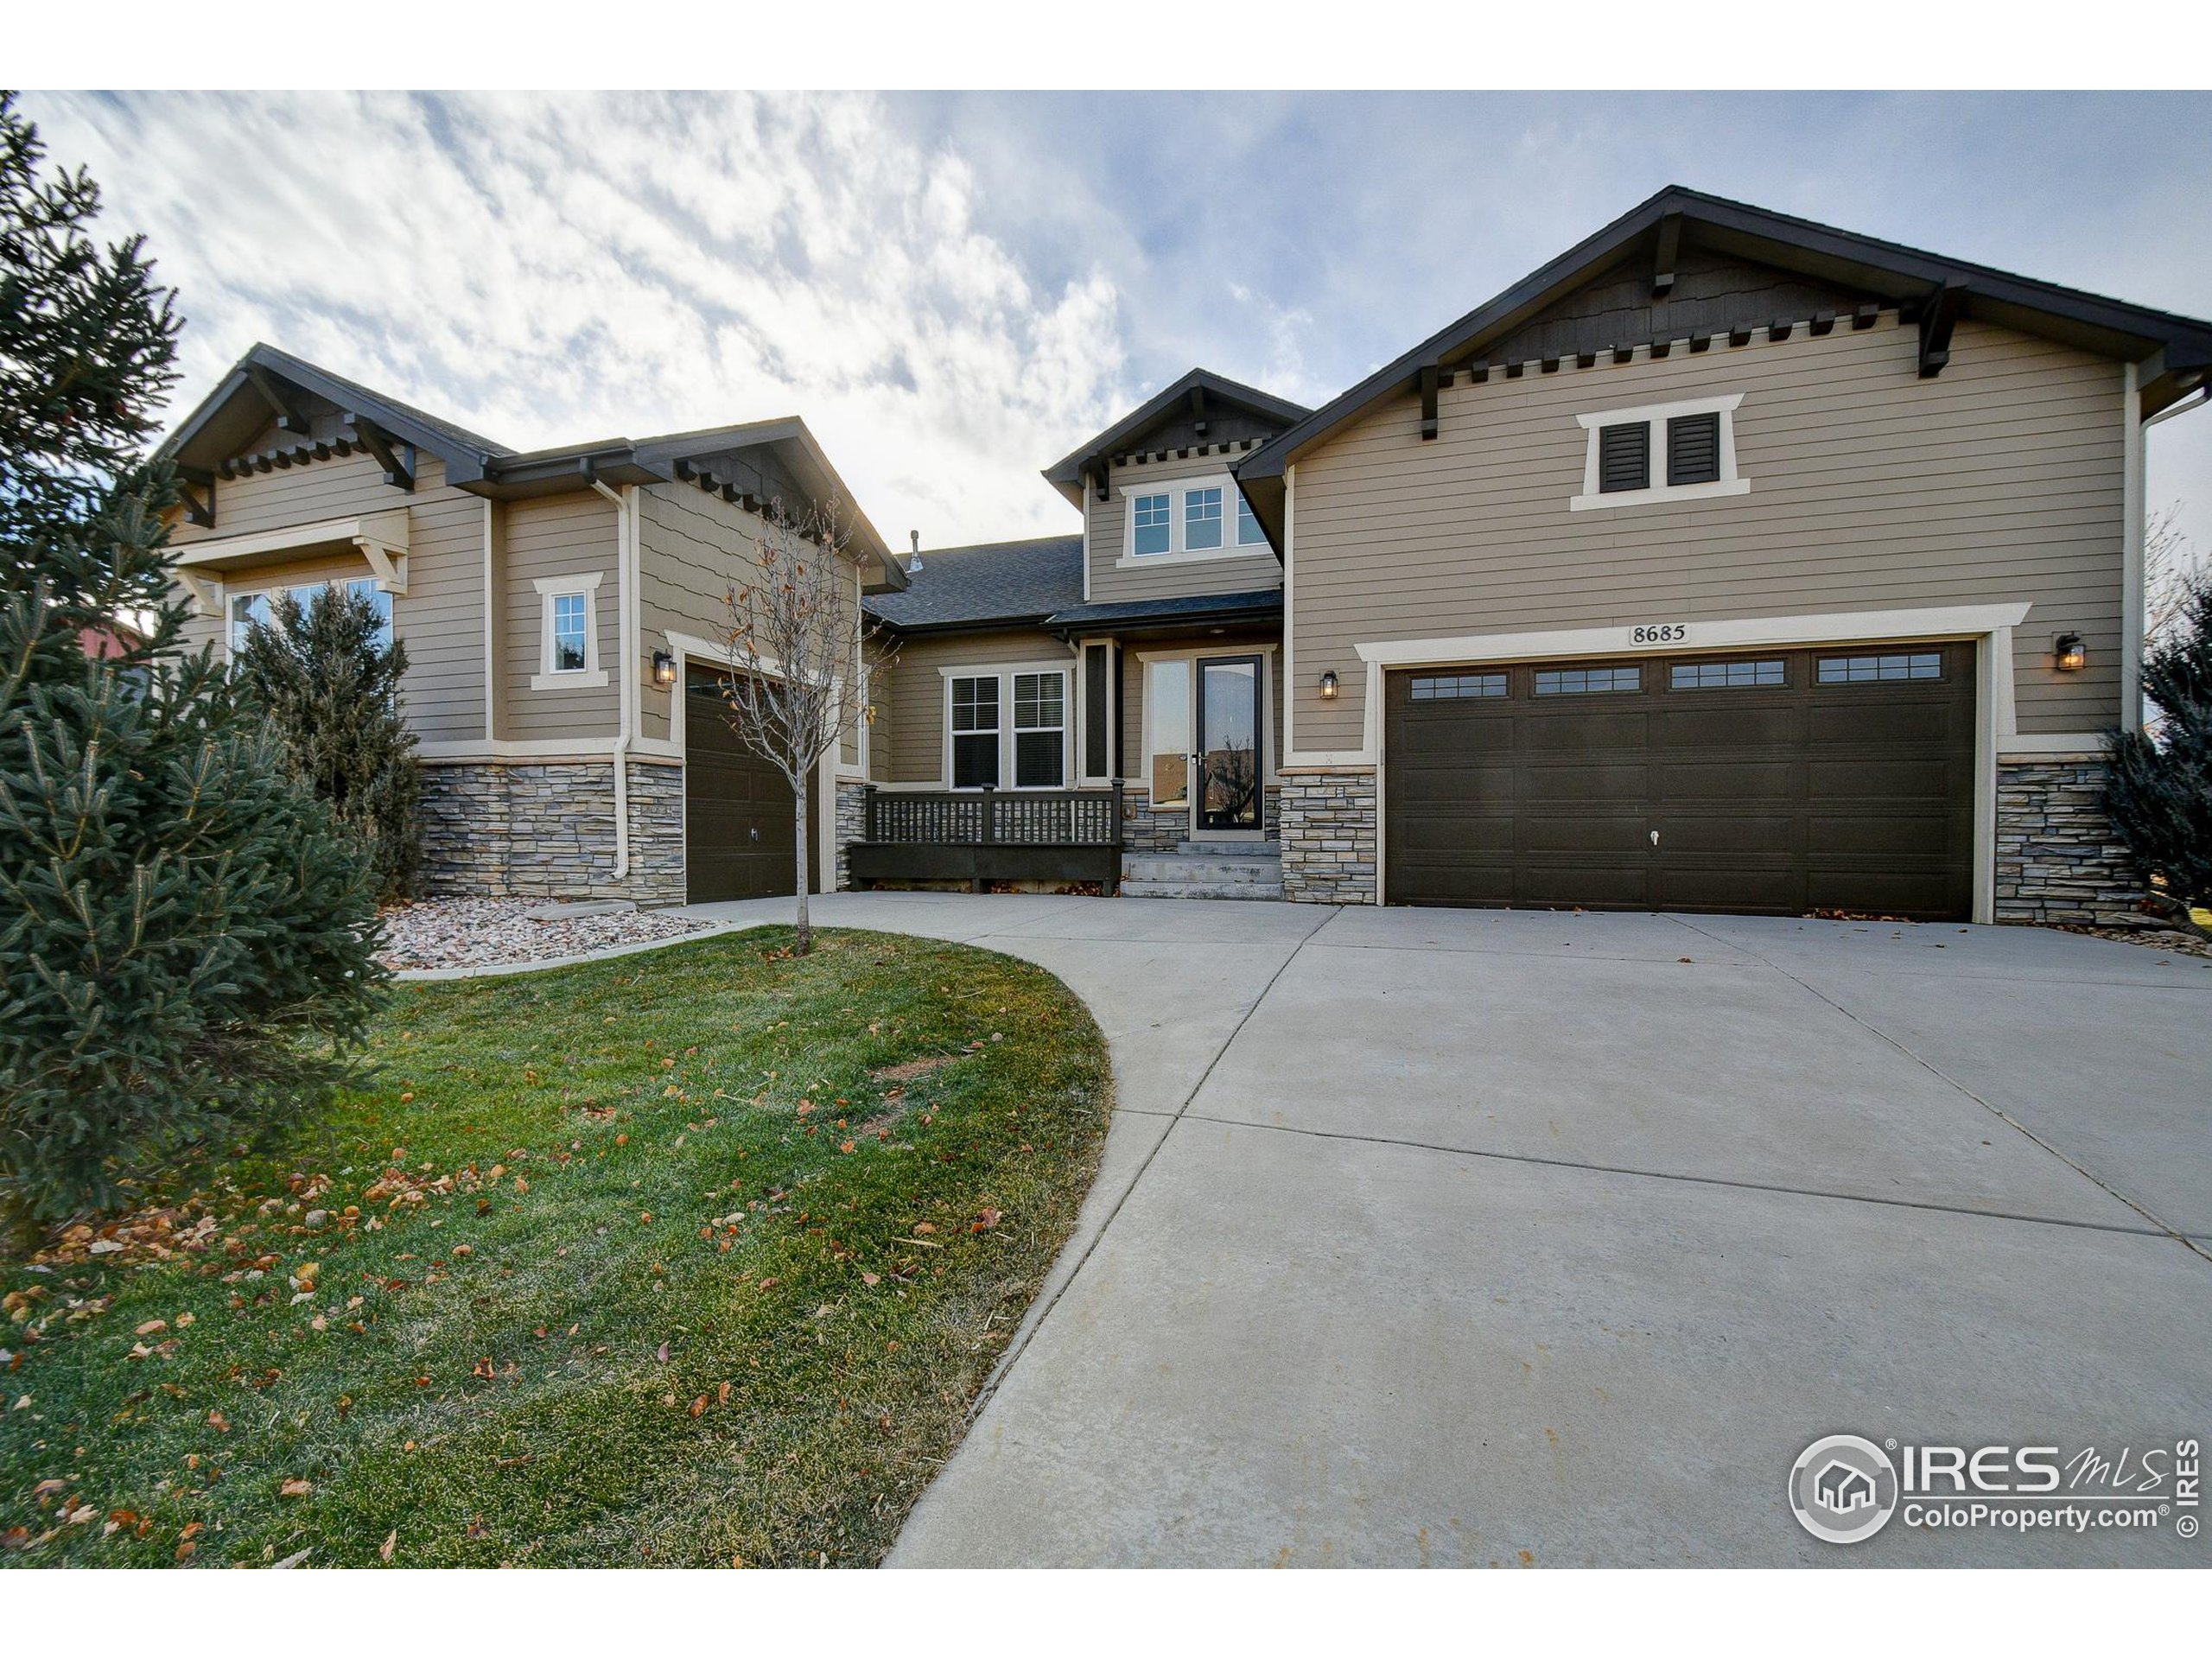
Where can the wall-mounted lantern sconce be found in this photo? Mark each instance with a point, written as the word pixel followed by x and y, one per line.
pixel 1328 685
pixel 2071 654
pixel 663 670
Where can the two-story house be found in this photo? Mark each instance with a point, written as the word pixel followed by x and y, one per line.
pixel 1729 561
pixel 565 612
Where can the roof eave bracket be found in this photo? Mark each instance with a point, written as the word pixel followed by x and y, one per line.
pixel 1939 313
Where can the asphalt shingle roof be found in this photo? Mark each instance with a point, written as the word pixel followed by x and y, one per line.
pixel 992 582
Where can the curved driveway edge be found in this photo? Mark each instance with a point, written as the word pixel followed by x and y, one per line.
pixel 1463 1237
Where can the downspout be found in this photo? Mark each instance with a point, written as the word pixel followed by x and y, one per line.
pixel 626 601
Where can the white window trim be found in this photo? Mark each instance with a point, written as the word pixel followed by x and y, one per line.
pixel 1175 489
pixel 1004 673
pixel 549 678
pixel 1656 416
pixel 229 594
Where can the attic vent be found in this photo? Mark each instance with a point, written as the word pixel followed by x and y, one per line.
pixel 1624 458
pixel 1694 449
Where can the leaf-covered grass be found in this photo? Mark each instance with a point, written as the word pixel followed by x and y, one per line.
pixel 637 1262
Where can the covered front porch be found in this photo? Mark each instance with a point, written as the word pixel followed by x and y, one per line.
pixel 1171 765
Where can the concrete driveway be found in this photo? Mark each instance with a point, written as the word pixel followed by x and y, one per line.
pixel 1463 1238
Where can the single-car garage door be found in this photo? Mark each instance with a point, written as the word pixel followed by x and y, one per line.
pixel 1786 782
pixel 739 840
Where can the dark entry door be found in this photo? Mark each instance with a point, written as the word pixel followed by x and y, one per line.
pixel 1787 782
pixel 739 840
pixel 1230 766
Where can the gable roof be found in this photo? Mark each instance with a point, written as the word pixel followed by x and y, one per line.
pixel 989 584
pixel 1200 397
pixel 756 460
pixel 2178 350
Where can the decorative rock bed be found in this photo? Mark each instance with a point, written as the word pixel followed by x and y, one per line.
pixel 482 932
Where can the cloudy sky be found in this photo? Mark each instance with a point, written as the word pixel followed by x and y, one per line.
pixel 953 290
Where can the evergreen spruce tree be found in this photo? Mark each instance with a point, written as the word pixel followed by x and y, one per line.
pixel 186 932
pixel 2158 790
pixel 329 686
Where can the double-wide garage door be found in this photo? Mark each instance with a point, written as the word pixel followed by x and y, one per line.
pixel 739 839
pixel 1787 782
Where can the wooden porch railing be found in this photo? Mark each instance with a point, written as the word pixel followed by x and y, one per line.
pixel 989 818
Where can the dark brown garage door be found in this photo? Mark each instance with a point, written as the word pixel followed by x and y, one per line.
pixel 1783 783
pixel 739 840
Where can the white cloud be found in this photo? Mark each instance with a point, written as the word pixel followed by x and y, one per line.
pixel 553 269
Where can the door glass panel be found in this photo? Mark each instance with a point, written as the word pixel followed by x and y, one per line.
pixel 1229 731
pixel 1167 739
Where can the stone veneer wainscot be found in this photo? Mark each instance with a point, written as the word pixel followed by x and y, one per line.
pixel 2058 858
pixel 1329 837
pixel 547 830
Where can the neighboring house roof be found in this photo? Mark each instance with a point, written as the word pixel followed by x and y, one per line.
pixel 2179 349
pixel 1210 408
pixel 1123 614
pixel 754 463
pixel 991 584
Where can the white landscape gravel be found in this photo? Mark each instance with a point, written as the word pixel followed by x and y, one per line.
pixel 482 932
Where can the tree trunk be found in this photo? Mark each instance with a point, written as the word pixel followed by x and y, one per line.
pixel 805 942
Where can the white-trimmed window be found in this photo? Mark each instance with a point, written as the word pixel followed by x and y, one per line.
pixel 250 611
pixel 568 651
pixel 974 726
pixel 1040 730
pixel 1248 533
pixel 1193 518
pixel 1008 727
pixel 1682 451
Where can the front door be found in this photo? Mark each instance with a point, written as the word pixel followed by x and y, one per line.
pixel 1228 766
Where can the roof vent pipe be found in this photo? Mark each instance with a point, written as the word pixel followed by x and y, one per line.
pixel 914 558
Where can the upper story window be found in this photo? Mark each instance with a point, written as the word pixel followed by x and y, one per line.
pixel 1248 533
pixel 1683 451
pixel 1202 519
pixel 1191 518
pixel 567 633
pixel 257 610
pixel 1152 524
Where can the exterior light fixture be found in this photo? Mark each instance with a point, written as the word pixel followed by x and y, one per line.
pixel 1328 685
pixel 663 670
pixel 2071 654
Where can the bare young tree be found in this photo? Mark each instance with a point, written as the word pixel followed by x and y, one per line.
pixel 804 653
pixel 2168 564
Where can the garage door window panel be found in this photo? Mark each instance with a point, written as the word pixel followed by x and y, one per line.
pixel 1873 670
pixel 1583 682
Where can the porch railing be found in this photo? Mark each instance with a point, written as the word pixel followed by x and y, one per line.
pixel 989 818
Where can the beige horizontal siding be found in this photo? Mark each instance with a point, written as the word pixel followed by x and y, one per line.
pixel 907 743
pixel 1106 530
pixel 2001 480
pixel 440 618
pixel 558 536
pixel 693 549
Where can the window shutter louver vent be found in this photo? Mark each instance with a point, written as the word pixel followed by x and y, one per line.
pixel 1624 458
pixel 1694 449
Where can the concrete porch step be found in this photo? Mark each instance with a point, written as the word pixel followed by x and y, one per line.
pixel 1271 850
pixel 1214 867
pixel 1149 889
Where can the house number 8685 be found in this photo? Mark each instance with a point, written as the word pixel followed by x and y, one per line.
pixel 1659 634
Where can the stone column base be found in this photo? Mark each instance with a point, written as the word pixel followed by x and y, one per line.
pixel 1329 850
pixel 851 826
pixel 2058 858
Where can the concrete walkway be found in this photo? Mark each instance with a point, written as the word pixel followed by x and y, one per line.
pixel 1473 1237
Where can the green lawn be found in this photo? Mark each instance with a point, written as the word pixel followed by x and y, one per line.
pixel 687 1258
